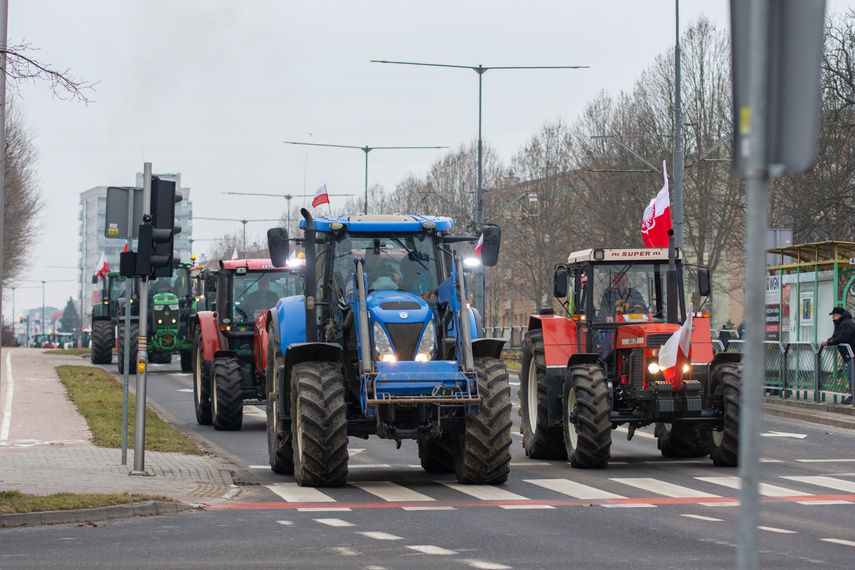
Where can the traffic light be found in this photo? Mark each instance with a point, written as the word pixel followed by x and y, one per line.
pixel 155 247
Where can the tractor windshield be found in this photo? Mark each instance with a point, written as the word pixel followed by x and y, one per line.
pixel 256 291
pixel 396 262
pixel 629 292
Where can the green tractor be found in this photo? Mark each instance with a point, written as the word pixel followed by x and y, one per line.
pixel 105 315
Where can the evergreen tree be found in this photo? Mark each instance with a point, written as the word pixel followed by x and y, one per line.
pixel 70 320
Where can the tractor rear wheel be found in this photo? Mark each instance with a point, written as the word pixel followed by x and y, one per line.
pixel 133 344
pixel 437 454
pixel 160 357
pixel 102 342
pixel 483 452
pixel 679 441
pixel 226 394
pixel 319 424
pixel 201 382
pixel 587 422
pixel 186 360
pixel 539 439
pixel 726 381
pixel 280 448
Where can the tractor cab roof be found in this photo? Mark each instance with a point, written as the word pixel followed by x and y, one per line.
pixel 382 223
pixel 643 254
pixel 250 265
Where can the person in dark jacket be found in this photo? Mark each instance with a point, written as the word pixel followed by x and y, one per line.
pixel 844 333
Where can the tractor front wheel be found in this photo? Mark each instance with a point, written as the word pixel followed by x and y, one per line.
pixel 483 452
pixel 587 422
pixel 437 454
pixel 186 360
pixel 280 448
pixel 132 345
pixel 679 441
pixel 226 394
pixel 319 424
pixel 539 439
pixel 201 382
pixel 726 381
pixel 102 342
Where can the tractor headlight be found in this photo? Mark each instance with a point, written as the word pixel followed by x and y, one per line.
pixel 382 344
pixel 173 307
pixel 427 344
pixel 653 367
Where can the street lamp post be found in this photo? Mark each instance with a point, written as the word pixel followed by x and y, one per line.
pixel 479 199
pixel 366 149
pixel 244 222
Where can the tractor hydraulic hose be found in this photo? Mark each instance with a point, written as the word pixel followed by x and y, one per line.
pixel 465 335
pixel 364 338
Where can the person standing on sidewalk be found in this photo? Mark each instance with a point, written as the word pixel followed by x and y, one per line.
pixel 844 333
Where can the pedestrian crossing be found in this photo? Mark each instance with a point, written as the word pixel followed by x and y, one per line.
pixel 610 492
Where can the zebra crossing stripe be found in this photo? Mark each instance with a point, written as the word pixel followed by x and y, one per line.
pixel 661 487
pixel 573 489
pixel 765 489
pixel 392 492
pixel 822 481
pixel 293 493
pixel 484 492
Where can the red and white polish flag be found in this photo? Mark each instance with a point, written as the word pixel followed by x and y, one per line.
pixel 657 217
pixel 675 353
pixel 102 268
pixel 478 247
pixel 321 197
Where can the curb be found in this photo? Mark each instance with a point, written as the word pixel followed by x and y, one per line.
pixel 147 508
pixel 835 415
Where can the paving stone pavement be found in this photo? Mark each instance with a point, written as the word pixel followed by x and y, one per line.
pixel 45 444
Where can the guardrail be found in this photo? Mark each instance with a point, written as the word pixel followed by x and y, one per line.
pixel 799 368
pixel 514 335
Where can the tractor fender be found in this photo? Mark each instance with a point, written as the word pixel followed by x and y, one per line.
pixel 206 321
pixel 490 347
pixel 558 338
pixel 225 354
pixel 290 313
pixel 310 351
pixel 723 357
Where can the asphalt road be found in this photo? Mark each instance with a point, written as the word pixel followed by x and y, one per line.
pixel 642 511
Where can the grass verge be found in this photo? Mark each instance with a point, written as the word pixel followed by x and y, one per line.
pixel 98 397
pixel 12 502
pixel 70 351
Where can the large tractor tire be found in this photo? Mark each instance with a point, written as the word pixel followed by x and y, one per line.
pixel 160 357
pixel 437 454
pixel 201 382
pixel 319 424
pixel 186 360
pixel 726 381
pixel 587 425
pixel 133 344
pixel 226 394
pixel 280 447
pixel 681 441
pixel 539 439
pixel 483 452
pixel 102 342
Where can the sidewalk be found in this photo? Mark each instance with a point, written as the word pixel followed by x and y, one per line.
pixel 45 448
pixel 806 410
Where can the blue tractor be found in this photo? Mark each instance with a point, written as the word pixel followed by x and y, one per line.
pixel 383 342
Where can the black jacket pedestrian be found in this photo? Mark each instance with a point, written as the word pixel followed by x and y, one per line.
pixel 844 333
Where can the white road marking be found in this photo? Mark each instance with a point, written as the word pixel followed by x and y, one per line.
pixel 429 508
pixel 783 434
pixel 573 489
pixel 818 503
pixel 839 541
pixel 484 565
pixel 436 550
pixel 259 466
pixel 293 493
pixel 765 489
pixel 484 492
pixel 638 433
pixel 660 487
pixel 7 406
pixel 323 509
pixel 380 535
pixel 389 491
pixel 777 530
pixel 367 465
pixel 525 507
pixel 285 523
pixel 184 390
pixel 830 482
pixel 344 551
pixel 703 518
pixel 334 522
pixel 352 452
pixel 251 411
pixel 849 460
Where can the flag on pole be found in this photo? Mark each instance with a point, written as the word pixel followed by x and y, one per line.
pixel 657 217
pixel 478 247
pixel 674 354
pixel 125 249
pixel 321 196
pixel 235 254
pixel 101 268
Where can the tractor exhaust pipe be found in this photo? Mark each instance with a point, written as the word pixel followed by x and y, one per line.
pixel 366 359
pixel 310 287
pixel 464 334
pixel 671 280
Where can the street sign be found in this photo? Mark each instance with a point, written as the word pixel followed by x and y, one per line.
pixel 116 218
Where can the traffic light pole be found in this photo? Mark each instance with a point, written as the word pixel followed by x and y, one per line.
pixel 142 362
pixel 127 346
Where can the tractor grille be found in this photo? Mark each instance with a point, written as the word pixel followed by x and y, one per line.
pixel 636 369
pixel 405 338
pixel 657 340
pixel 400 306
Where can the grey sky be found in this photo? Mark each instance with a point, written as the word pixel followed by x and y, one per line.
pixel 212 88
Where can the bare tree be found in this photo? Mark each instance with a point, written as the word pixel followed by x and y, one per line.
pixel 23 199
pixel 21 68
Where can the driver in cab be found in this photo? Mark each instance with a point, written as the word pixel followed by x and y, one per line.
pixel 620 299
pixel 380 273
pixel 262 298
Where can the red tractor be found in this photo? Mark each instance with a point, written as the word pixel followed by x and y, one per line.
pixel 597 368
pixel 229 344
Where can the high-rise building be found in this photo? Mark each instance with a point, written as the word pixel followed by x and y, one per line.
pixel 92 216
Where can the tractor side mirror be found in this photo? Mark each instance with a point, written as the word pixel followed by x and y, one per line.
pixel 211 282
pixel 95 279
pixel 277 246
pixel 490 247
pixel 559 283
pixel 704 284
